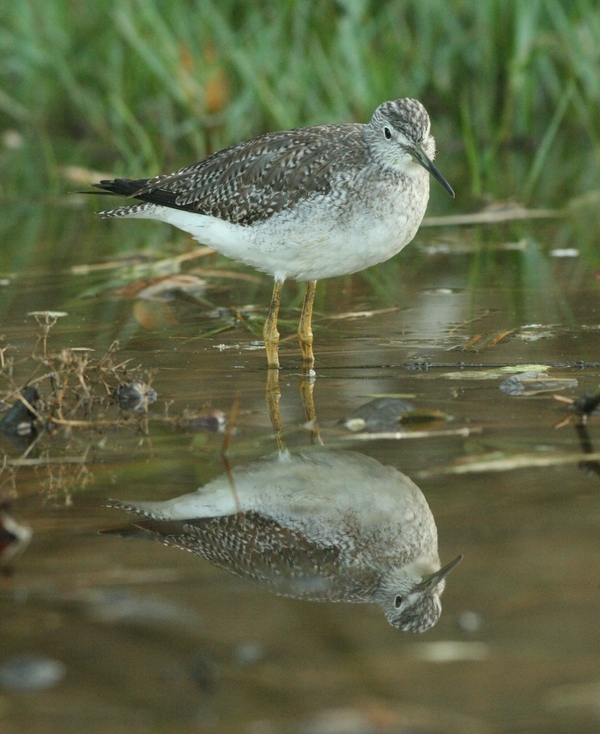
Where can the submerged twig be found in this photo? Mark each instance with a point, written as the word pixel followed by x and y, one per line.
pixel 154 265
pixel 401 435
pixel 364 314
pixel 492 216
pixel 508 463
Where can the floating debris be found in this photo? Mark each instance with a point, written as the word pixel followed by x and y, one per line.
pixel 494 373
pixel 48 315
pixel 468 248
pixel 494 462
pixel 374 716
pixel 478 342
pixel 438 291
pixel 564 252
pixel 535 332
pixel 448 651
pixel 399 435
pixel 364 314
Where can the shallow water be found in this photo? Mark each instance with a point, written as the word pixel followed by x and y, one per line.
pixel 155 639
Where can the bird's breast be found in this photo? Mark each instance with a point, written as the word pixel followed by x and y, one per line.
pixel 363 224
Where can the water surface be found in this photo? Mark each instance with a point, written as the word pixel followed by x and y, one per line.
pixel 155 639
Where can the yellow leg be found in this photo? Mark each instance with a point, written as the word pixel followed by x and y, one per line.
pixel 272 395
pixel 270 333
pixel 305 335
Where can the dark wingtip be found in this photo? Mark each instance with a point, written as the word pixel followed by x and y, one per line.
pixel 119 186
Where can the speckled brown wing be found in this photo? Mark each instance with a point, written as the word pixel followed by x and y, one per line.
pixel 249 545
pixel 251 181
pixel 257 548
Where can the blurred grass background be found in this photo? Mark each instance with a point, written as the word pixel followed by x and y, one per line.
pixel 134 87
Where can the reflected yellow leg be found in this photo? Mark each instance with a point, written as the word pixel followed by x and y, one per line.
pixel 307 384
pixel 305 335
pixel 272 395
pixel 270 333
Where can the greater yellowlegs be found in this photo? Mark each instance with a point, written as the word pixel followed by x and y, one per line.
pixel 304 204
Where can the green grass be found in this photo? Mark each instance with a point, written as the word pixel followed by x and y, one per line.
pixel 136 86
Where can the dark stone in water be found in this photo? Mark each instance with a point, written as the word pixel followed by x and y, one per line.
pixel 381 414
pixel 19 424
pixel 134 395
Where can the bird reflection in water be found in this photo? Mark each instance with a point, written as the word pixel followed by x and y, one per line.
pixel 321 525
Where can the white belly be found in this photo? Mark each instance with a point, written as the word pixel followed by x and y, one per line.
pixel 319 238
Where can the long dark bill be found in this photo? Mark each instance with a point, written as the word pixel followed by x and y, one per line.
pixel 434 579
pixel 423 160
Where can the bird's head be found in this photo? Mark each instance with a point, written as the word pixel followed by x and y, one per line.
pixel 411 601
pixel 399 136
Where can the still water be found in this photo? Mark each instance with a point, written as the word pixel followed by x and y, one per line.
pixel 276 621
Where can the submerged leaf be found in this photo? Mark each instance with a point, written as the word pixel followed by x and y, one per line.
pixel 494 373
pixel 526 384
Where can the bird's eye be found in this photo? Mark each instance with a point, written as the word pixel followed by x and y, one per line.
pixel 388 133
pixel 398 602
